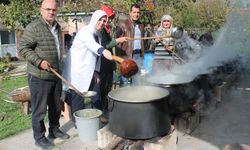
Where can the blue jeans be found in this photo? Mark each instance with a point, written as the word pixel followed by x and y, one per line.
pixel 133 80
pixel 125 81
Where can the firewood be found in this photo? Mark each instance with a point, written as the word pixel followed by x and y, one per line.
pixel 113 143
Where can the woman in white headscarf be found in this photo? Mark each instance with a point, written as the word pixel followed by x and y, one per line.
pixel 166 24
pixel 184 46
pixel 82 59
pixel 171 50
pixel 164 47
pixel 165 30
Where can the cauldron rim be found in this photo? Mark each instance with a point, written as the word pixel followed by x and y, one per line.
pixel 158 82
pixel 161 93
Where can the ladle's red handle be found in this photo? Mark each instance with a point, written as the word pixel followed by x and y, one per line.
pixel 119 59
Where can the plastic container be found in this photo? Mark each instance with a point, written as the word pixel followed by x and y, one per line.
pixel 148 61
pixel 88 123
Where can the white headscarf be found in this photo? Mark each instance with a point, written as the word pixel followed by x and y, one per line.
pixel 97 15
pixel 161 29
pixel 167 17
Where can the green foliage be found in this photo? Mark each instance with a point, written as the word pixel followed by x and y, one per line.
pixel 80 6
pixel 121 6
pixel 18 13
pixel 5 66
pixel 2 66
pixel 190 14
pixel 5 2
pixel 6 76
pixel 212 14
pixel 12 120
pixel 186 13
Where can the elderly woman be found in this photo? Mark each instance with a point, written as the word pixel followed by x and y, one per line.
pixel 165 30
pixel 172 49
pixel 82 60
pixel 163 58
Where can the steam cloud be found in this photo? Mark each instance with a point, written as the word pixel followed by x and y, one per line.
pixel 232 42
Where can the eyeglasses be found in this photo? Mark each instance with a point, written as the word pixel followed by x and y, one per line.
pixel 49 9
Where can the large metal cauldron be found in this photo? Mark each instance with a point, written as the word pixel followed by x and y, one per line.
pixel 139 112
pixel 183 93
pixel 182 98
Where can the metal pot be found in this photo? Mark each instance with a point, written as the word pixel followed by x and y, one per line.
pixel 177 32
pixel 139 112
pixel 182 93
pixel 182 98
pixel 170 79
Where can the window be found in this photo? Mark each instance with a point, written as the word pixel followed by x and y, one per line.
pixel 7 37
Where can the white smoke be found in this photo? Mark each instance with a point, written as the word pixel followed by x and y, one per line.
pixel 232 42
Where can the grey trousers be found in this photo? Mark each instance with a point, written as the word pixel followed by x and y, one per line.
pixel 44 94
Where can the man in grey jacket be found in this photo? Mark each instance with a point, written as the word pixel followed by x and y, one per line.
pixel 40 46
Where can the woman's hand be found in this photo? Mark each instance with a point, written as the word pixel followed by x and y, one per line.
pixel 107 54
pixel 157 40
pixel 169 48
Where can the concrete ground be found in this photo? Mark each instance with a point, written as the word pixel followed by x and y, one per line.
pixel 24 140
pixel 226 123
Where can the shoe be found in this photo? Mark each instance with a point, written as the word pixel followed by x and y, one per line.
pixel 44 143
pixel 58 134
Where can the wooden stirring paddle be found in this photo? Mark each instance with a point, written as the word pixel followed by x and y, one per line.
pixel 128 67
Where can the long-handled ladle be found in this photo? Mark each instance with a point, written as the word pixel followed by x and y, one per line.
pixel 83 94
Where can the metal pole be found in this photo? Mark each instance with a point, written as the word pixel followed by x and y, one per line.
pixel 75 20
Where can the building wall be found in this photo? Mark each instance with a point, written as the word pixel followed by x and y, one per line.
pixel 8 48
pixel 7 43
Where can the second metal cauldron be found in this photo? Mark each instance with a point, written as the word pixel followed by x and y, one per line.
pixel 182 92
pixel 139 112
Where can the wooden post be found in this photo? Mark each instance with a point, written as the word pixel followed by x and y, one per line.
pixel 67 112
pixel 25 105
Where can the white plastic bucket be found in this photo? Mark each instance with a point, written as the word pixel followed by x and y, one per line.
pixel 87 123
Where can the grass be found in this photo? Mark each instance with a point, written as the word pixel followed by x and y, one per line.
pixel 12 119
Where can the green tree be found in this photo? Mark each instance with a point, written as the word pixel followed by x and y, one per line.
pixel 4 2
pixel 186 13
pixel 72 6
pixel 18 13
pixel 212 14
pixel 202 14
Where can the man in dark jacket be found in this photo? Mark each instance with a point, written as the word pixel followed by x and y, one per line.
pixel 40 46
pixel 133 28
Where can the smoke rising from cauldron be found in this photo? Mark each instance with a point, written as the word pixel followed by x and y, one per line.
pixel 232 43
